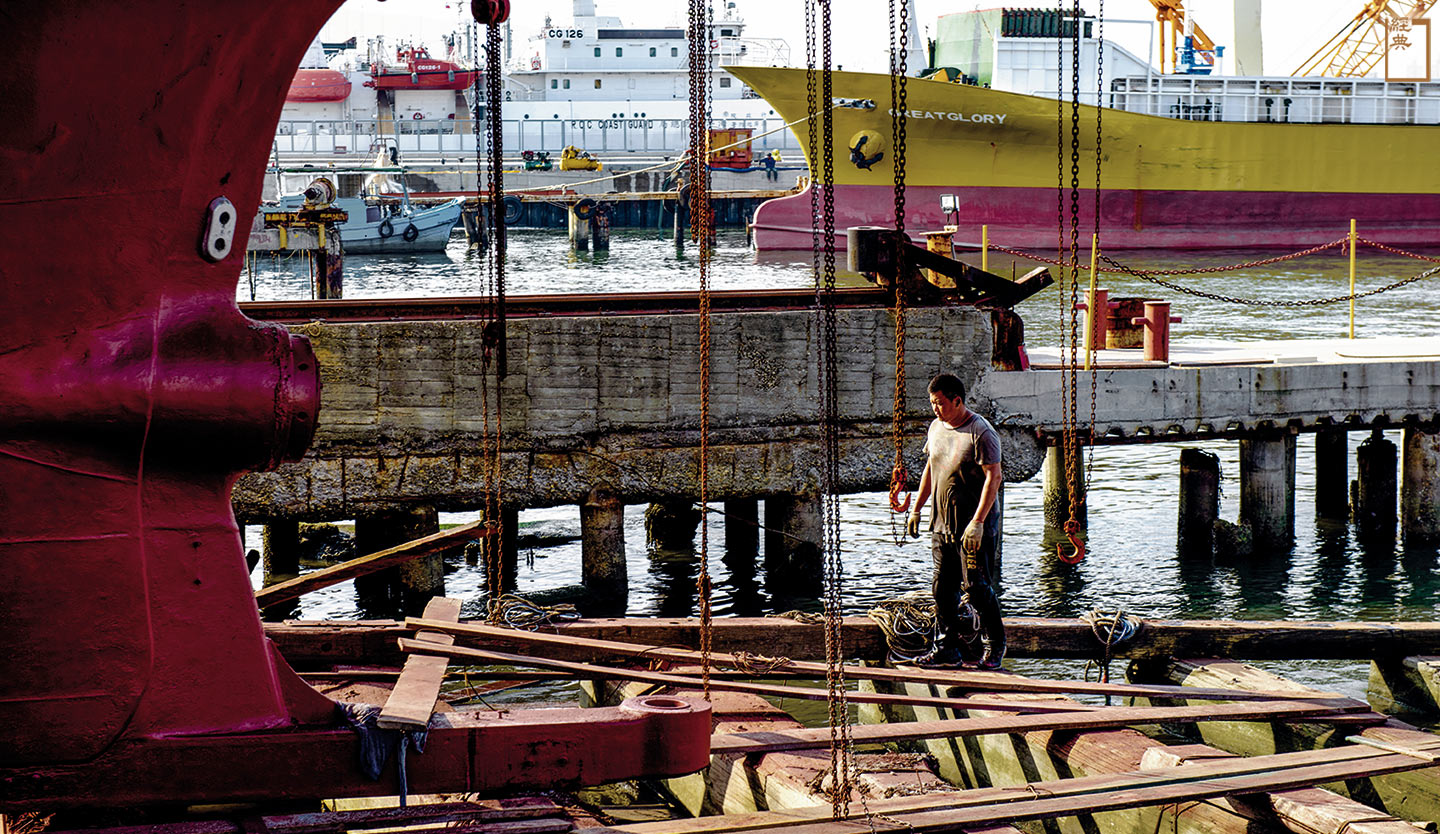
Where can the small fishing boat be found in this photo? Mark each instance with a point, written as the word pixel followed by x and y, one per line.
pixel 382 220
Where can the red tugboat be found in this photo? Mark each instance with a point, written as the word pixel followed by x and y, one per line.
pixel 133 393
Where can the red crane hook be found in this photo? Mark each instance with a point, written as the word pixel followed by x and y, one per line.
pixel 1072 532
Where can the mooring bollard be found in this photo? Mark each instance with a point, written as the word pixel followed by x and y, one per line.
pixel 1097 324
pixel 1156 321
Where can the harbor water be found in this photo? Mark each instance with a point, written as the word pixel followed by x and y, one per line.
pixel 1131 565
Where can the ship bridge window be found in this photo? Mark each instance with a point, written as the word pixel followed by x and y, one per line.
pixel 567 83
pixel 554 83
pixel 652 52
pixel 724 82
pixel 564 44
pixel 597 52
pixel 619 52
pixel 674 52
pixel 727 33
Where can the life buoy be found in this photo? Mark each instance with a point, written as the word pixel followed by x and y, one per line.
pixel 410 233
pixel 386 228
pixel 584 208
pixel 535 62
pixel 514 209
pixel 417 117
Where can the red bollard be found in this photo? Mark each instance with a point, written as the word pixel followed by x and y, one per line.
pixel 1157 321
pixel 1099 324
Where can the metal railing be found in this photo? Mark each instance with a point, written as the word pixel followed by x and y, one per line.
pixel 455 136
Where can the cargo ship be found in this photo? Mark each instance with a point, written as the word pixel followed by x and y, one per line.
pixel 1187 161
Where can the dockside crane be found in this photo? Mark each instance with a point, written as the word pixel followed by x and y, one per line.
pixel 1171 15
pixel 1360 44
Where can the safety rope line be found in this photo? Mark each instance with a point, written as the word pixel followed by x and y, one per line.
pixel 701 226
pixel 493 359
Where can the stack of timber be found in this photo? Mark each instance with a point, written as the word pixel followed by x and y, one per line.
pixel 1009 748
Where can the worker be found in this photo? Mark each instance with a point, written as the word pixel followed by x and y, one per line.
pixel 963 471
pixel 771 160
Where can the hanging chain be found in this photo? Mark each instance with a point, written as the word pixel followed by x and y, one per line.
pixel 899 117
pixel 493 360
pixel 1092 313
pixel 701 223
pixel 840 744
pixel 1260 302
pixel 1072 417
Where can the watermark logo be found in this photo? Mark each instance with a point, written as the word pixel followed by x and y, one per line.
pixel 1407 49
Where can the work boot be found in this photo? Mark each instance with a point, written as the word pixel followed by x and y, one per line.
pixel 940 657
pixel 990 661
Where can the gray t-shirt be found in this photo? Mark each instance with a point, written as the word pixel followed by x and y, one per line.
pixel 956 477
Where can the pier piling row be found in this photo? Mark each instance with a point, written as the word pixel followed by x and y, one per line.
pixel 613 400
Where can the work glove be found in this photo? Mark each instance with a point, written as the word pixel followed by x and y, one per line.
pixel 972 538
pixel 912 526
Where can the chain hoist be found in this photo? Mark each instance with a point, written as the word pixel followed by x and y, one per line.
pixel 491 14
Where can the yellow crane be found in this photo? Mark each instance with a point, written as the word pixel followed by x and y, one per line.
pixel 1360 44
pixel 1171 15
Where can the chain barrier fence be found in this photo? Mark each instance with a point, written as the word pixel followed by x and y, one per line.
pixel 1157 277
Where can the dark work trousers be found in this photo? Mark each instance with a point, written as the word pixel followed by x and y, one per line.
pixel 957 573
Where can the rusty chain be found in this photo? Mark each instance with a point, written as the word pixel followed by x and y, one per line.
pixel 493 359
pixel 700 225
pixel 1260 302
pixel 1395 251
pixel 1095 241
pixel 899 118
pixel 1071 376
pixel 1204 270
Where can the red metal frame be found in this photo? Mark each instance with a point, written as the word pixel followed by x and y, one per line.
pixel 133 393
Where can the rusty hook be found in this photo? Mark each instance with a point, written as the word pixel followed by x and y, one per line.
pixel 1072 532
pixel 898 478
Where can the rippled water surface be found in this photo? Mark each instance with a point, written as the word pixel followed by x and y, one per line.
pixel 1132 562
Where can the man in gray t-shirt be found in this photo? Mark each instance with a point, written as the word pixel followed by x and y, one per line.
pixel 962 470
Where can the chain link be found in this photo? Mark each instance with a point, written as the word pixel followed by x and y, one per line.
pixel 1071 375
pixel 1394 251
pixel 1095 241
pixel 1210 270
pixel 899 118
pixel 493 359
pixel 1261 302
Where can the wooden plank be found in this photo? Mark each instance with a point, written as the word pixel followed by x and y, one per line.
pixel 804 693
pixel 978 681
pixel 813 739
pixel 1142 788
pixel 1009 797
pixel 360 566
pixel 308 644
pixel 413 699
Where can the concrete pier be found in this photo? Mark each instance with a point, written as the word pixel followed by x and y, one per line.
pixel 1332 474
pixel 793 532
pixel 1059 487
pixel 1199 502
pixel 413 583
pixel 1267 490
pixel 1420 487
pixel 281 547
pixel 671 524
pixel 1374 489
pixel 602 541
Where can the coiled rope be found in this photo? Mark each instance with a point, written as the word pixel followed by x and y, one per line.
pixel 515 611
pixel 908 624
pixel 1110 630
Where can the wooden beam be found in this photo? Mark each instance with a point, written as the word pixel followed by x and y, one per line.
pixel 565 644
pixel 325 577
pixel 1064 797
pixel 1180 774
pixel 313 643
pixel 814 739
pixel 805 693
pixel 413 699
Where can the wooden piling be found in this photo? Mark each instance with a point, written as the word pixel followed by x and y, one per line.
pixel 1407 687
pixel 1199 501
pixel 1267 490
pixel 600 228
pixel 1420 487
pixel 602 541
pixel 411 584
pixel 579 231
pixel 792 535
pixel 671 525
pixel 1058 488
pixel 742 527
pixel 1374 504
pixel 1332 473
pixel 331 275
pixel 281 545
